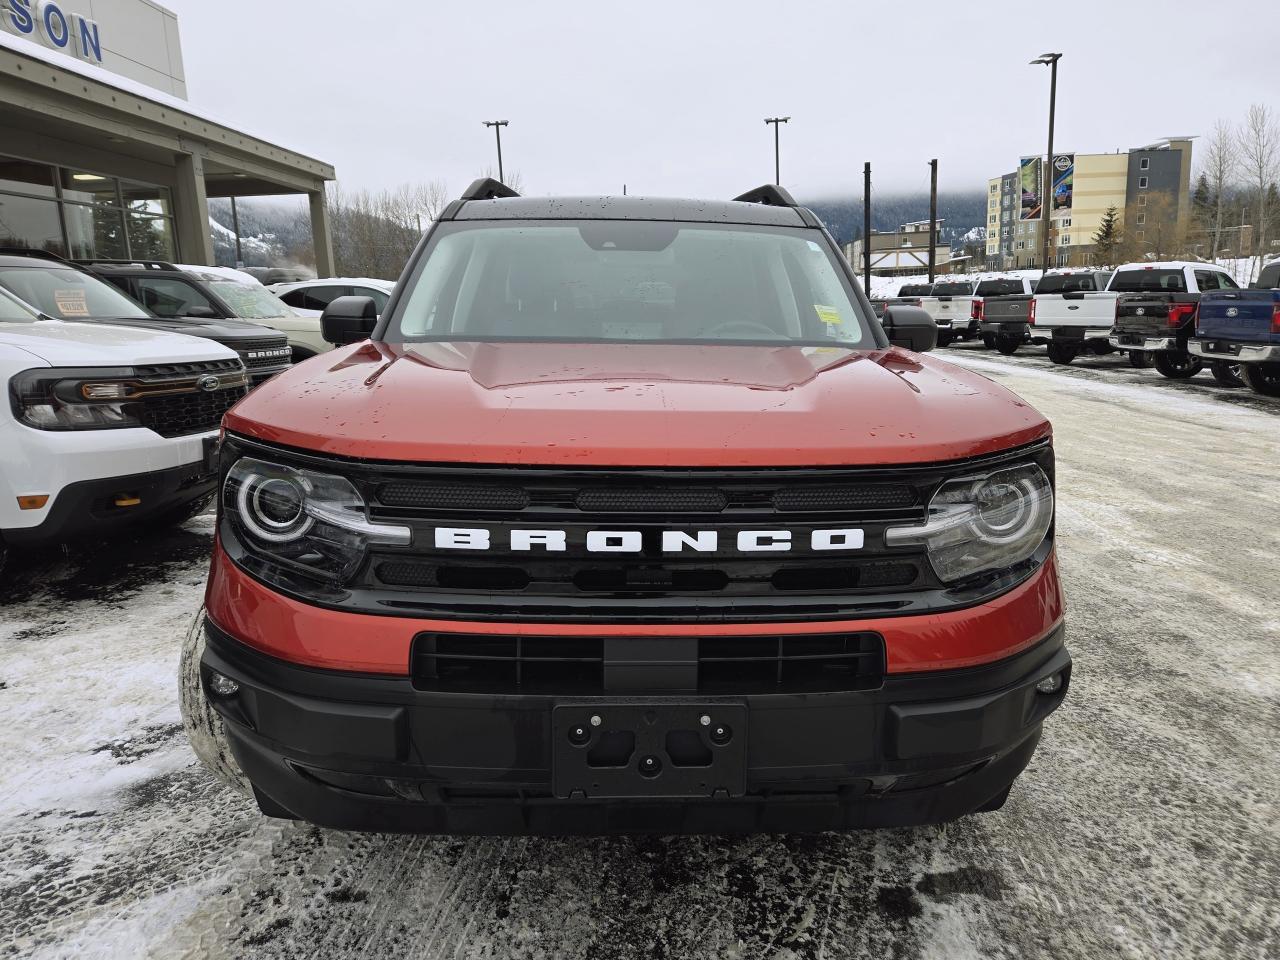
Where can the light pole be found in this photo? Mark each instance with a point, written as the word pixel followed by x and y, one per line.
pixel 1046 202
pixel 497 132
pixel 777 160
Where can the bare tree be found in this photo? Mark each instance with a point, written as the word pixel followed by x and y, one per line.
pixel 1221 160
pixel 375 232
pixel 1259 142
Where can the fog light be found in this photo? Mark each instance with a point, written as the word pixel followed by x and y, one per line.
pixel 1050 684
pixel 221 686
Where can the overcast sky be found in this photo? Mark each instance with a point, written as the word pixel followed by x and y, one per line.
pixel 669 97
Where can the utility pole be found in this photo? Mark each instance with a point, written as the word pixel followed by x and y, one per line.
pixel 933 218
pixel 777 161
pixel 497 132
pixel 235 223
pixel 866 228
pixel 1046 202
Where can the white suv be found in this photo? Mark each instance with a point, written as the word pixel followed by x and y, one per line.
pixel 105 426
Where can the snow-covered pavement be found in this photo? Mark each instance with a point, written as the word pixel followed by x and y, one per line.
pixel 1147 825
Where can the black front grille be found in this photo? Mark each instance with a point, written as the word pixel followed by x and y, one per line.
pixel 183 370
pixel 180 414
pixel 452 496
pixel 248 348
pixel 882 496
pixel 595 665
pixel 668 500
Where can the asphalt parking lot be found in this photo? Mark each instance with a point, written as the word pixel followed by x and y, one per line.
pixel 1147 825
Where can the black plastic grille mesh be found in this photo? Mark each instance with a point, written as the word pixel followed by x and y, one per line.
pixel 452 496
pixel 867 497
pixel 668 500
pixel 187 369
pixel 185 413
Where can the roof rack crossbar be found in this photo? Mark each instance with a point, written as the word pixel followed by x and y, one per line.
pixel 771 195
pixel 109 261
pixel 487 188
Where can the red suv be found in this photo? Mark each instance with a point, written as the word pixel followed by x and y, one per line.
pixel 628 515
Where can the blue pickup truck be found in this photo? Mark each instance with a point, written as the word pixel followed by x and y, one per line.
pixel 1243 326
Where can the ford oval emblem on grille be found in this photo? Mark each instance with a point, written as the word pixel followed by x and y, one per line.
pixel 1141 311
pixel 1233 311
pixel 209 383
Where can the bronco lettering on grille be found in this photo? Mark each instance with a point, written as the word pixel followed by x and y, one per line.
pixel 632 541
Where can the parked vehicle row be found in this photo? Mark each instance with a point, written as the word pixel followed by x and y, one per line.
pixel 119 373
pixel 1179 316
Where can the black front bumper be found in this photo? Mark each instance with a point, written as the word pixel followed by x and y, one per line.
pixel 373 753
pixel 89 508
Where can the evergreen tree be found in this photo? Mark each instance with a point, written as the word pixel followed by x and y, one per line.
pixel 1201 200
pixel 1107 239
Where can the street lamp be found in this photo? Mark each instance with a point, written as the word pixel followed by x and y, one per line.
pixel 497 132
pixel 1049 60
pixel 777 164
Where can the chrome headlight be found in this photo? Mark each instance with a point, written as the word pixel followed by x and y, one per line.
pixel 302 519
pixel 983 523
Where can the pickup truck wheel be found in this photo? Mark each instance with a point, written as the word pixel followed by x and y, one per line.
pixel 200 721
pixel 1226 373
pixel 1008 345
pixel 944 339
pixel 1177 365
pixel 1263 378
pixel 1139 359
pixel 989 341
pixel 1062 353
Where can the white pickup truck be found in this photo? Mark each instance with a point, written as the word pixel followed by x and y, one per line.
pixel 105 426
pixel 1073 312
pixel 950 302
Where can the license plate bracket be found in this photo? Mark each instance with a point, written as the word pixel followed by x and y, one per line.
pixel 649 749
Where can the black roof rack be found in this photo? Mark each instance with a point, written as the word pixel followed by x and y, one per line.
pixel 34 254
pixel 487 188
pixel 770 195
pixel 109 262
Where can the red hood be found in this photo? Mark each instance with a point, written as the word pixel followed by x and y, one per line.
pixel 636 405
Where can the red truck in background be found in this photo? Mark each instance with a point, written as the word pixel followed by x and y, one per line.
pixel 628 515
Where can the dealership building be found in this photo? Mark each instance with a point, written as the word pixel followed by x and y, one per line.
pixel 101 154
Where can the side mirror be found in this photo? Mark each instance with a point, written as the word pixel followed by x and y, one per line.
pixel 348 320
pixel 910 327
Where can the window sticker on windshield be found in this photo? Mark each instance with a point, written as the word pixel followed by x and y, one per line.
pixel 827 314
pixel 71 303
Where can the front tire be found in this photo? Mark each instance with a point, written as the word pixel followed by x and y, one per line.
pixel 1008 345
pixel 1062 353
pixel 1139 359
pixel 1226 373
pixel 1263 378
pixel 1177 365
pixel 202 724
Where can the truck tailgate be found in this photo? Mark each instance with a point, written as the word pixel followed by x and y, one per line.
pixel 1238 315
pixel 1084 309
pixel 1146 314
pixel 1014 308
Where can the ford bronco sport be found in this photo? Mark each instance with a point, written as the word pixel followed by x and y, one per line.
pixel 627 515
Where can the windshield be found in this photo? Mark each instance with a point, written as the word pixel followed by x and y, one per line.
pixel 250 301
pixel 12 311
pixel 1149 281
pixel 629 281
pixel 66 294
pixel 999 288
pixel 952 289
pixel 1065 283
pixel 915 289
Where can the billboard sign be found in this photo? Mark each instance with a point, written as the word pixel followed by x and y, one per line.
pixel 1031 186
pixel 1064 177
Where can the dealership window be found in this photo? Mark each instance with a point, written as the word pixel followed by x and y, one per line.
pixel 1144 163
pixel 1142 218
pixel 82 214
pixel 1142 183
